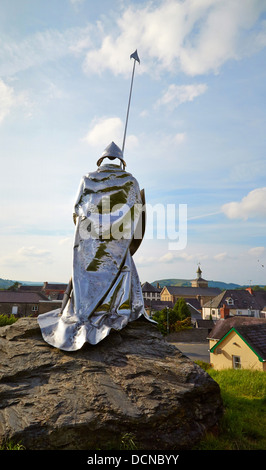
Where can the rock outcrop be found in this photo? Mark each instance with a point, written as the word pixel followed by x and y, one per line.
pixel 132 382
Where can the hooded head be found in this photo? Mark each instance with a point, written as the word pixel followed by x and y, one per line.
pixel 112 152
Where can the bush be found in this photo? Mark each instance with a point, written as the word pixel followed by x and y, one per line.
pixel 204 365
pixel 7 319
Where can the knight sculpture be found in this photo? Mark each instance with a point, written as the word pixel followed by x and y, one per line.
pixel 104 292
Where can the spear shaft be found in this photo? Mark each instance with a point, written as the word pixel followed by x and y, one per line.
pixel 135 57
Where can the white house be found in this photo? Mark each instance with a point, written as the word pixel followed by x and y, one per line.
pixel 150 292
pixel 239 302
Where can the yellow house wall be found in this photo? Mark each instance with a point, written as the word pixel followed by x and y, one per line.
pixel 165 295
pixel 249 360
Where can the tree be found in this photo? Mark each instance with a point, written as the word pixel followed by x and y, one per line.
pixel 14 286
pixel 173 319
pixel 181 309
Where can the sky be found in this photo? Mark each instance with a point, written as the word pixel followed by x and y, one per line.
pixel 195 135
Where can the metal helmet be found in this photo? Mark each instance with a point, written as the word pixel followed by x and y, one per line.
pixel 112 151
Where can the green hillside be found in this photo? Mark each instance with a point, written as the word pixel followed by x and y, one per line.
pixel 6 283
pixel 172 282
pixel 187 282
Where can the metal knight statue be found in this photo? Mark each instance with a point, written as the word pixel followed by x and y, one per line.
pixel 104 292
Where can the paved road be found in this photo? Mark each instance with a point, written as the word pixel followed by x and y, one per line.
pixel 195 351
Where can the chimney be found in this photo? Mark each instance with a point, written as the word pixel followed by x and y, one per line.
pixel 44 285
pixel 250 290
pixel 158 285
pixel 224 312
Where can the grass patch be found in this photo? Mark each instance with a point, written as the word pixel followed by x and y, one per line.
pixel 7 319
pixel 11 446
pixel 243 426
pixel 126 441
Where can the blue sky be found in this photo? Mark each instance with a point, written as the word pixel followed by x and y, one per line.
pixel 196 131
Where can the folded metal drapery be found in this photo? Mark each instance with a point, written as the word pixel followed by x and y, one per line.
pixel 104 292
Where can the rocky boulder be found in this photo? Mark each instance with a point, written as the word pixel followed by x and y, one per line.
pixel 132 382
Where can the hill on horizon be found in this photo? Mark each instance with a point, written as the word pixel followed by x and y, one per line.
pixel 187 282
pixel 6 283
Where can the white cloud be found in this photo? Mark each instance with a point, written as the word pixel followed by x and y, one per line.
pixel 252 205
pixel 220 37
pixel 10 100
pixel 167 258
pixel 146 260
pixel 66 240
pixel 33 252
pixel 196 36
pixel 41 47
pixel 228 262
pixel 7 100
pixel 27 254
pixel 145 113
pixel 180 138
pixel 220 256
pixel 53 92
pixel 35 258
pixel 178 94
pixel 76 2
pixel 105 130
pixel 257 251
pixel 170 257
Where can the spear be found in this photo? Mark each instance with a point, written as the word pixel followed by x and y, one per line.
pixel 135 57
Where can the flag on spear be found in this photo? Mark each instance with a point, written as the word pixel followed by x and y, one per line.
pixel 135 56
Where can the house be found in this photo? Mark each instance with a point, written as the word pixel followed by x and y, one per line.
pixel 51 291
pixel 240 302
pixel 31 300
pixel 263 312
pixel 30 288
pixel 21 303
pixel 199 290
pixel 152 306
pixel 202 294
pixel 54 291
pixel 195 309
pixel 150 292
pixel 48 305
pixel 238 342
pixel 204 324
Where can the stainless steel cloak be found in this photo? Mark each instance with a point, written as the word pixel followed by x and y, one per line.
pixel 105 291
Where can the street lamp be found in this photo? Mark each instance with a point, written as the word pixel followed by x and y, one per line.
pixel 167 319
